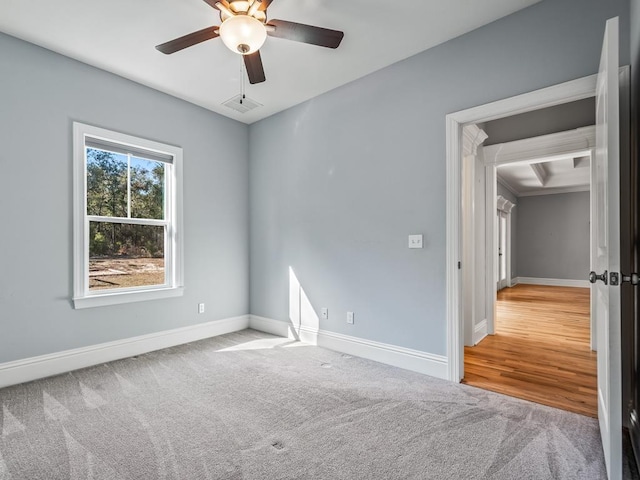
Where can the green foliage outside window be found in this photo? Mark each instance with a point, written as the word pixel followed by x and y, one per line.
pixel 118 186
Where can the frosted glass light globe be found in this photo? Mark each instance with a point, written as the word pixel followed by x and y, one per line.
pixel 243 34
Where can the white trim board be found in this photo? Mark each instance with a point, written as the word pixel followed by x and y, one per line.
pixel 406 358
pixel 33 368
pixel 556 282
pixel 480 331
pixel 268 325
pixel 283 329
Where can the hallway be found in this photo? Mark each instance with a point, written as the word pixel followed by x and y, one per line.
pixel 540 351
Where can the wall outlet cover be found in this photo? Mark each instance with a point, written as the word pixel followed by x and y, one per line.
pixel 415 241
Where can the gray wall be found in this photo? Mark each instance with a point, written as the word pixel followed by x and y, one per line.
pixel 559 118
pixel 41 94
pixel 553 236
pixel 501 190
pixel 338 182
pixel 336 185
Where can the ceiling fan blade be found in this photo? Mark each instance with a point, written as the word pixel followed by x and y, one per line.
pixel 253 64
pixel 264 4
pixel 300 32
pixel 194 38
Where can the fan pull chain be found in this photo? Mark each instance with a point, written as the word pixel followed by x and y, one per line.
pixel 242 95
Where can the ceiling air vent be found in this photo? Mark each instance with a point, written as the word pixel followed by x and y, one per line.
pixel 243 107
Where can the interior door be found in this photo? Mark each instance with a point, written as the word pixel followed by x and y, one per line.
pixel 607 246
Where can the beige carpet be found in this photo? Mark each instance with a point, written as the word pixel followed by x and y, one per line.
pixel 252 406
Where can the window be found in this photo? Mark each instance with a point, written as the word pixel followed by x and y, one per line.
pixel 127 218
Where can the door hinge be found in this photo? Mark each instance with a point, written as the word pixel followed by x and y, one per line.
pixel 459 265
pixel 614 278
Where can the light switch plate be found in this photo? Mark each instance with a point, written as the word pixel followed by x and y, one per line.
pixel 415 241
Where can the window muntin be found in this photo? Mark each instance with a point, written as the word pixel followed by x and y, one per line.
pixel 127 222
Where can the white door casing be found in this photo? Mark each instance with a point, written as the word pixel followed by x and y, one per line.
pixel 607 248
pixel 555 95
pixel 593 251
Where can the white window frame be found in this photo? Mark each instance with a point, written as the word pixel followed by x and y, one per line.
pixel 174 286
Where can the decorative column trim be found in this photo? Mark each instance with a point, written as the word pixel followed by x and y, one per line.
pixel 472 138
pixel 504 205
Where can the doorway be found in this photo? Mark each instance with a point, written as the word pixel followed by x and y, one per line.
pixel 539 349
pixel 567 92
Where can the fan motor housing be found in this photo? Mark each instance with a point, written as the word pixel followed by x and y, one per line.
pixel 241 7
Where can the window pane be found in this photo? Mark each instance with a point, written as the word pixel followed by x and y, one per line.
pixel 147 188
pixel 124 255
pixel 106 183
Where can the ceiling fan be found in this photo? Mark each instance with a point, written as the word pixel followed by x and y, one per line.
pixel 244 29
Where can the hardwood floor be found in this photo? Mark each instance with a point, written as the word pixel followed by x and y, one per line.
pixel 540 351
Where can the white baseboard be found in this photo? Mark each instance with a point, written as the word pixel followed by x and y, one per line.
pixel 556 282
pixel 480 331
pixel 415 360
pixel 309 335
pixel 25 370
pixel 33 368
pixel 283 329
pixel 268 325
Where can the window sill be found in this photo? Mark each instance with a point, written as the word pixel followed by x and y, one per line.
pixel 106 299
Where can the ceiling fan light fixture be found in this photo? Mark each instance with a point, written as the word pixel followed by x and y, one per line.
pixel 243 34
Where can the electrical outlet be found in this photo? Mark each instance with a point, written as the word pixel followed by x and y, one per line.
pixel 201 308
pixel 350 317
pixel 325 313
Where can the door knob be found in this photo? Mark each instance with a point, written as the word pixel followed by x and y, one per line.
pixel 594 277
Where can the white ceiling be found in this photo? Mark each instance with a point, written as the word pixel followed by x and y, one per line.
pixel 562 175
pixel 120 35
